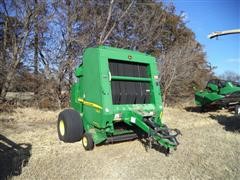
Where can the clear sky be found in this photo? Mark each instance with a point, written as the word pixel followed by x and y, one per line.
pixel 206 16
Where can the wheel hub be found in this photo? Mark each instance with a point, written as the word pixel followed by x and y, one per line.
pixel 84 141
pixel 62 127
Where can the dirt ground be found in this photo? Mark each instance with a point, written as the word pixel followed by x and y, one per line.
pixel 209 149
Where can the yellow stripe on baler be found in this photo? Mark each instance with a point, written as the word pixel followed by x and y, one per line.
pixel 87 103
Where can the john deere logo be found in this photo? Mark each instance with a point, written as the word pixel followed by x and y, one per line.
pixel 129 57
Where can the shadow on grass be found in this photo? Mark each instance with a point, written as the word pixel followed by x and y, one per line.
pixel 230 123
pixel 154 146
pixel 193 109
pixel 13 157
pixel 197 109
pixel 142 138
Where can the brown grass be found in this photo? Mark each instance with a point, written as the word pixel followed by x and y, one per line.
pixel 210 148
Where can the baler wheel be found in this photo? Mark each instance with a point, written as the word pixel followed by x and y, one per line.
pixel 70 126
pixel 87 142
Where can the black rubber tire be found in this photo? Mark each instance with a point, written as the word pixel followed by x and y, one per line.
pixel 237 110
pixel 87 142
pixel 73 126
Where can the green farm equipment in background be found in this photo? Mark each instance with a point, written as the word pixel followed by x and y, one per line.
pixel 116 98
pixel 221 93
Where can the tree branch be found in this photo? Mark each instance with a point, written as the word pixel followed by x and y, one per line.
pixel 115 23
pixel 107 22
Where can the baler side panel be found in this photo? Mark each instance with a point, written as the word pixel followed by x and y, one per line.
pixel 75 95
pixel 92 90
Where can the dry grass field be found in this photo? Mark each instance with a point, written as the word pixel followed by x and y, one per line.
pixel 209 149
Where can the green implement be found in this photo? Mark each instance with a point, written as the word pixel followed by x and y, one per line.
pixel 116 98
pixel 219 92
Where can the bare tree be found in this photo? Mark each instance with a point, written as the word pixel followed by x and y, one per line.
pixel 36 45
pixel 230 76
pixel 104 37
pixel 107 22
pixel 45 41
pixel 18 41
pixel 181 69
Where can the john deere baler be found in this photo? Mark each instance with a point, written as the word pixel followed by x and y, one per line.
pixel 116 98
